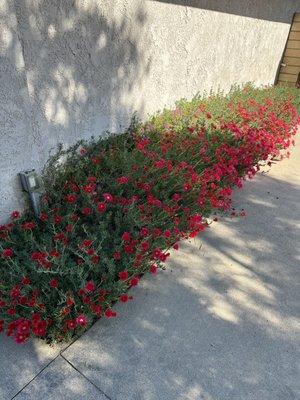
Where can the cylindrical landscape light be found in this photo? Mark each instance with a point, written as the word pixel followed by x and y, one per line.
pixel 31 184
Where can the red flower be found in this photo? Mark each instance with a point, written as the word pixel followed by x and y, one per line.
pixel 26 281
pixel 144 232
pixel 128 248
pixel 110 313
pixel 82 151
pixel 157 232
pixel 153 269
pixel 95 160
pixel 81 320
pixel 39 328
pixel 117 255
pixel 96 309
pixel 86 243
pixel 90 188
pixel 57 219
pixel 124 298
pixel 21 337
pixel 95 259
pixel 23 326
pixel 71 324
pixel 43 217
pixel 54 253
pixel 38 256
pixel 122 180
pixel 74 217
pixel 101 207
pixel 91 179
pixel 108 197
pixel 7 253
pixel 15 214
pixel 70 301
pixel 126 237
pixel 28 226
pixel 71 198
pixel 123 275
pixel 87 211
pixel 53 283
pixel 60 237
pixel 145 246
pixel 134 281
pixel 187 187
pixel 90 286
pixel 69 228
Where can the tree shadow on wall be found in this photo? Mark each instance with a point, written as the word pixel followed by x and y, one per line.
pixel 70 69
pixel 81 63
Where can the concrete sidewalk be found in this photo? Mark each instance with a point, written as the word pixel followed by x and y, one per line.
pixel 222 323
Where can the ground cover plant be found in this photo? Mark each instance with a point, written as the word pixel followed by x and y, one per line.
pixel 114 207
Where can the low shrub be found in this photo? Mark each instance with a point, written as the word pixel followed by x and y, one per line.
pixel 115 206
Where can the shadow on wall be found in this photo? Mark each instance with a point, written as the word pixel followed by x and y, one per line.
pixel 277 10
pixel 81 59
pixel 66 68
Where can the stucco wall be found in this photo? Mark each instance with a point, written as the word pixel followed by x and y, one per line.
pixel 73 68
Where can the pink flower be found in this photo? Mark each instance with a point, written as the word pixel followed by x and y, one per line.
pixel 108 197
pixel 15 214
pixel 101 207
pixel 81 320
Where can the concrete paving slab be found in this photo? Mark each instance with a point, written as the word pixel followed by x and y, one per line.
pixel 19 364
pixel 60 381
pixel 223 322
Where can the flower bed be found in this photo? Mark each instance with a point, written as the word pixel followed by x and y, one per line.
pixel 114 207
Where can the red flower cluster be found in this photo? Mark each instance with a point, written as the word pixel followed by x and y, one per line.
pixel 119 205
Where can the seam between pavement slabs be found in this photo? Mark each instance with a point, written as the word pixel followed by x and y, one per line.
pixel 109 398
pixel 50 362
pixel 31 380
pixel 47 365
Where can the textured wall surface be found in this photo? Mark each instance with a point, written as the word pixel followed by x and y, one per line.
pixel 70 69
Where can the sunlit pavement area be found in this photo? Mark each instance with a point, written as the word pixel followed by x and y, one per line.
pixel 221 323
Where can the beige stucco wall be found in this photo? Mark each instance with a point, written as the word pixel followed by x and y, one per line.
pixel 72 68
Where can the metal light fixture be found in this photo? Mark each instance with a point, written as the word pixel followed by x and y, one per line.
pixel 31 184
